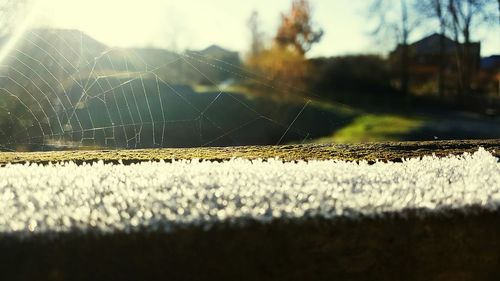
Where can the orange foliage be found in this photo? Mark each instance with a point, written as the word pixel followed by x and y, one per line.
pixel 284 63
pixel 285 68
pixel 296 29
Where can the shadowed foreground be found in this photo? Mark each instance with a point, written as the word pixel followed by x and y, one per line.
pixel 439 247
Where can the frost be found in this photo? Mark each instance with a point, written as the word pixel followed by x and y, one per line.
pixel 159 196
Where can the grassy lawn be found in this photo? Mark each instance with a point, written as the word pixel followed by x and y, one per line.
pixel 233 88
pixel 371 127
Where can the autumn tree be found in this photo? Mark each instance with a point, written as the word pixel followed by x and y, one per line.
pixel 296 29
pixel 436 10
pixel 396 20
pixel 498 6
pixel 257 36
pixel 465 15
pixel 284 62
pixel 457 19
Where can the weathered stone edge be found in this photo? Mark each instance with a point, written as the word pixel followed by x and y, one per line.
pixel 388 151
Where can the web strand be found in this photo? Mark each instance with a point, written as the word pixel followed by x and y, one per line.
pixel 64 90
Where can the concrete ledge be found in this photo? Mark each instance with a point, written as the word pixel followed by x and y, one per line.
pixel 391 151
pixel 451 247
pixel 454 245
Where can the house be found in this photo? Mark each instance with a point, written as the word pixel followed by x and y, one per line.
pixel 216 51
pixel 424 60
pixel 426 52
pixel 489 75
pixel 213 65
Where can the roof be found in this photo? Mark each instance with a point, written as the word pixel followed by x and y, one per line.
pixel 431 44
pixel 217 51
pixel 491 62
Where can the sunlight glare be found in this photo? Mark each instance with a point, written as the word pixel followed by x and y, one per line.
pixel 18 32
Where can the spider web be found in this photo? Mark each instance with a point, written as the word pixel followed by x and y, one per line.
pixel 61 89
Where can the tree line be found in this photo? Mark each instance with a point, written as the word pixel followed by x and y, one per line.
pixel 282 60
pixel 455 19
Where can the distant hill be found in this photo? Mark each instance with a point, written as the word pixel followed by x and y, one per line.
pixel 69 52
pixel 64 84
pixel 71 46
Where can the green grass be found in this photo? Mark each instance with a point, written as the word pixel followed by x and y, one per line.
pixel 234 89
pixel 370 127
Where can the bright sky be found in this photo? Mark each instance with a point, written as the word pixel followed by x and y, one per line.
pixel 195 24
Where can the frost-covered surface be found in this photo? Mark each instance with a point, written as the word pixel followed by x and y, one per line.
pixel 160 196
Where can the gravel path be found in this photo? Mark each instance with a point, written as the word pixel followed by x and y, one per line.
pixel 160 196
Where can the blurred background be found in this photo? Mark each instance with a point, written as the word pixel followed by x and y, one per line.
pixel 138 74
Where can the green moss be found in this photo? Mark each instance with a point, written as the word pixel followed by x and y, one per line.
pixel 390 151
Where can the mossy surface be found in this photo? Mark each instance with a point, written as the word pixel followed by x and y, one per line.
pixel 390 151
